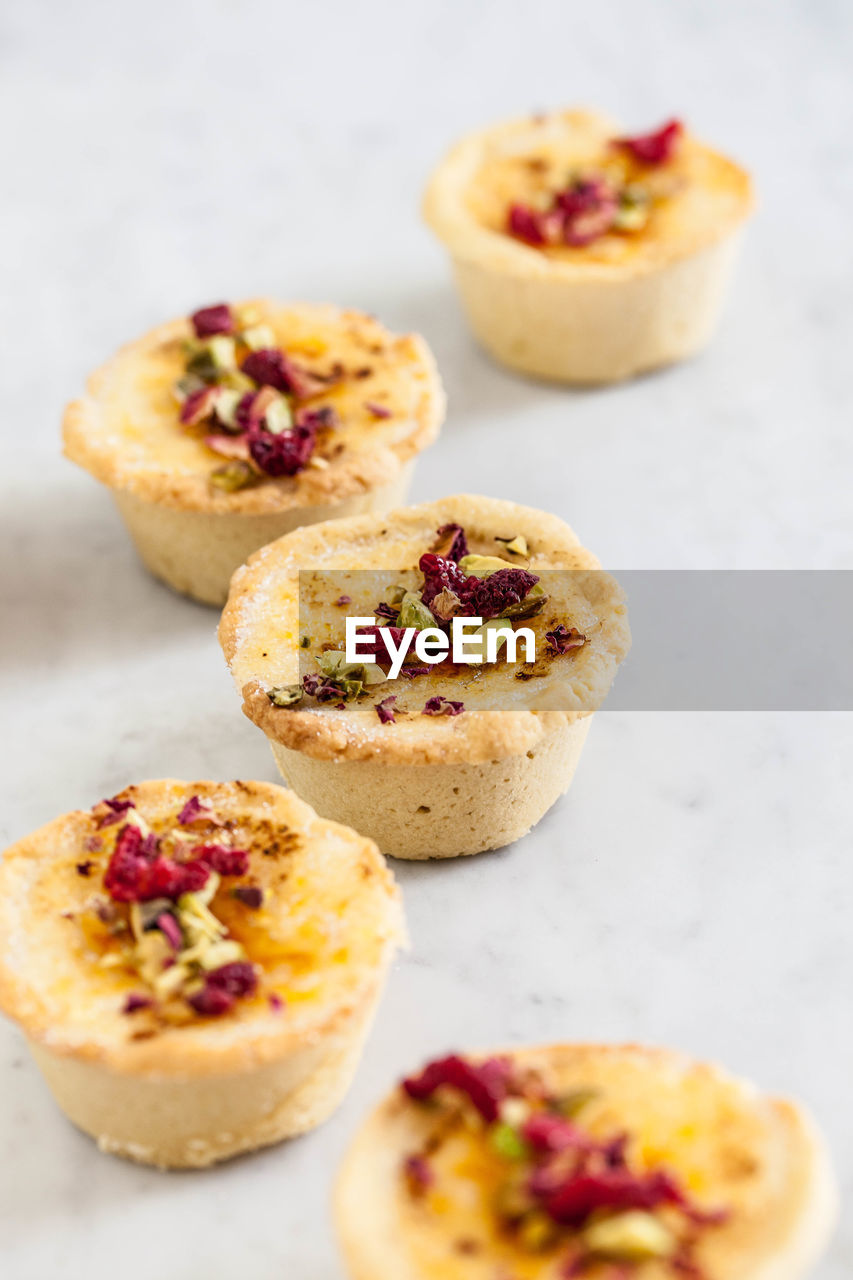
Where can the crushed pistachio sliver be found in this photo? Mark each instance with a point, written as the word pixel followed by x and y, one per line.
pixel 414 613
pixel 234 475
pixel 219 953
pixel 508 1142
pixel 630 1237
pixel 278 417
pixel 319 463
pixel 227 403
pixel 481 566
pixel 286 695
pixel 516 546
pixel 186 385
pixel 258 337
pixel 223 351
pixel 171 980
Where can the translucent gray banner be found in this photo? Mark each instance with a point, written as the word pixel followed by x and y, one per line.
pixel 740 640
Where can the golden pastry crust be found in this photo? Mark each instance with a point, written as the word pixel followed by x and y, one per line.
pixel 731 1145
pixel 126 430
pixel 330 921
pixel 469 194
pixel 259 634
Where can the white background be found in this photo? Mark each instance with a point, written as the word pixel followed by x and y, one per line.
pixel 694 888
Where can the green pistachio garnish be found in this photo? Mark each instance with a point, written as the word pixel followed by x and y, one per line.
pixel 333 664
pixel 278 417
pixel 516 546
pixel 630 1237
pixel 508 1142
pixel 237 381
pixel 219 953
pixel 209 358
pixel 537 1231
pixel 482 566
pixel 414 613
pixel 634 209
pixel 150 955
pixel 533 603
pixel 227 400
pixel 286 695
pixel 305 642
pixel 500 626
pixel 234 475
pixel 396 594
pixel 223 351
pixel 186 385
pixel 258 337
pixel 571 1104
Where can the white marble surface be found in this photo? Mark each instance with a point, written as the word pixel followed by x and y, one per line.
pixel 695 887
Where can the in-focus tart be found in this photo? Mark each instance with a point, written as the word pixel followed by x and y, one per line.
pixel 195 965
pixel 605 1162
pixel 441 760
pixel 221 432
pixel 583 255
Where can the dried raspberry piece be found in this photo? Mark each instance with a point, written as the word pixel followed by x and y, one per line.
pixel 284 454
pixel 115 811
pixel 489 597
pixel 223 987
pixel 654 148
pixel 485 1084
pixel 441 574
pixel 212 320
pixel 136 873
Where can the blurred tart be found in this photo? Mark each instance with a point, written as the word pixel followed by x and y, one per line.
pixel 221 432
pixel 583 255
pixel 440 760
pixel 195 966
pixel 603 1162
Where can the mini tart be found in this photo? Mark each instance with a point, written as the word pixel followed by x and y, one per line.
pixel 425 785
pixel 388 405
pixel 162 1072
pixel 619 305
pixel 435 1189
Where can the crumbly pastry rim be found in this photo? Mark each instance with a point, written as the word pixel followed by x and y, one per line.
pixel 471 738
pixel 210 1047
pixel 378 1253
pixel 445 212
pixel 346 476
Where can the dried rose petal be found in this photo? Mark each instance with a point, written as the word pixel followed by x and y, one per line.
pixel 450 542
pixel 343 600
pixel 84 868
pixel 418 1174
pixel 563 639
pixel 378 650
pixel 135 1001
pixel 249 894
pixel 171 930
pixel 275 1001
pixel 389 611
pixel 654 148
pixel 589 208
pixel 546 1132
pixel 212 320
pixel 377 410
pixel 229 446
pixel 485 1084
pixel 384 710
pixel 225 862
pixel 115 810
pixel 270 367
pixel 198 406
pixel 439 706
pixel 525 224
pixel 196 809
